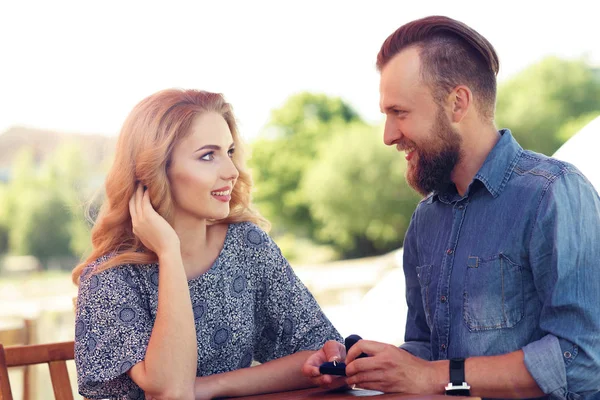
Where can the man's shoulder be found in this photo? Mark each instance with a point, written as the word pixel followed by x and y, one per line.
pixel 539 166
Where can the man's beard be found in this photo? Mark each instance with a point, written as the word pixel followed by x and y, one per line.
pixel 436 159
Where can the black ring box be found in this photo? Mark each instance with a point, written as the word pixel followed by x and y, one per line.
pixel 339 368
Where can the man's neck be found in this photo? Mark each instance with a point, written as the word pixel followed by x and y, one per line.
pixel 476 146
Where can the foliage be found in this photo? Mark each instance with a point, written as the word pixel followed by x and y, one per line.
pixel 323 176
pixel 41 205
pixel 289 145
pixel 543 104
pixel 358 194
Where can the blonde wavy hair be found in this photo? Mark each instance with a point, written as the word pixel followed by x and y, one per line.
pixel 143 154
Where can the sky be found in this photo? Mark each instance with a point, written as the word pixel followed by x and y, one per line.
pixel 79 67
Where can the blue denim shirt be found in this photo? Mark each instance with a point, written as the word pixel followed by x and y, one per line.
pixel 513 264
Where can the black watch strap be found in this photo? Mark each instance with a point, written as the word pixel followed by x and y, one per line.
pixel 457 371
pixel 457 386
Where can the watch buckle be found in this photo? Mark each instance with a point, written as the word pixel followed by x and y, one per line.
pixel 464 386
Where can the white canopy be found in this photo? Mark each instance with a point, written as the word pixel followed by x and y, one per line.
pixel 583 151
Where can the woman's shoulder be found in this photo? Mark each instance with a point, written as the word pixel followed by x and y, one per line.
pixel 129 273
pixel 248 234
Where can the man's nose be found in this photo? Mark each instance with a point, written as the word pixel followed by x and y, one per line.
pixel 391 134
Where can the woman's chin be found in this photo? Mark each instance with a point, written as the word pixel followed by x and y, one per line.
pixel 220 215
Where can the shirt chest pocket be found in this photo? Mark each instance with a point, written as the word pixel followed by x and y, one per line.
pixel 493 293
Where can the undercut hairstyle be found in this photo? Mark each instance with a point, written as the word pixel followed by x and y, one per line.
pixel 451 54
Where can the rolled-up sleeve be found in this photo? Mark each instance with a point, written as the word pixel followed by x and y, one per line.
pixel 565 260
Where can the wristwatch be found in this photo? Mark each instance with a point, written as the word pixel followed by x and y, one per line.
pixel 457 385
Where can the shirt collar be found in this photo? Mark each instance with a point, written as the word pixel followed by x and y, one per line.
pixel 500 163
pixel 498 166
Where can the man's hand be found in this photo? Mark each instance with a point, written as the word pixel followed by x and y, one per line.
pixel 391 369
pixel 331 351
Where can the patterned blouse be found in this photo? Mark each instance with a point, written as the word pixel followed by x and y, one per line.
pixel 248 306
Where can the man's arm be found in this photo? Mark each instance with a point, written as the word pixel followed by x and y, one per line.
pixel 564 256
pixel 390 369
pixel 417 340
pixel 565 261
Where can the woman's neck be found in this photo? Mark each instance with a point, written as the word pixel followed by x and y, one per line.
pixel 200 245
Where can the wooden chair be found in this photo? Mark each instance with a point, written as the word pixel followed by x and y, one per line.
pixel 53 354
pixel 19 331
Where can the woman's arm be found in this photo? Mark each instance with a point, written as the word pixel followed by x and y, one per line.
pixel 277 375
pixel 169 367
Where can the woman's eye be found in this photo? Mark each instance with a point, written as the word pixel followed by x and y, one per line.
pixel 230 152
pixel 208 157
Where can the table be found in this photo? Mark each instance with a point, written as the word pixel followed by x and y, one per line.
pixel 317 393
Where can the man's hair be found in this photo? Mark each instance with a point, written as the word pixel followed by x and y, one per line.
pixel 451 54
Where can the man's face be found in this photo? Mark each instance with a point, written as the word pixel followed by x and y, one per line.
pixel 417 125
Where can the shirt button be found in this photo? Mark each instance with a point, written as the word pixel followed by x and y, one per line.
pixel 443 346
pixel 449 251
pixel 567 354
pixel 443 299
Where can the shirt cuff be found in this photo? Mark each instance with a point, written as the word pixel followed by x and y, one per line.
pixel 544 361
pixel 418 349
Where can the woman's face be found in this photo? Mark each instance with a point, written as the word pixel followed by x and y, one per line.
pixel 201 172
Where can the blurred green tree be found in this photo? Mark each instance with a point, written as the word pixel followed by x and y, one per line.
pixel 40 225
pixel 324 174
pixel 4 231
pixel 548 102
pixel 42 207
pixel 69 174
pixel 357 192
pixel 285 150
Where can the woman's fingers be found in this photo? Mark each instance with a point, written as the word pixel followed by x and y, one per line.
pixel 146 205
pixel 132 210
pixel 139 193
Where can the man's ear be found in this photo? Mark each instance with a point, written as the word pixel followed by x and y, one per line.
pixel 460 101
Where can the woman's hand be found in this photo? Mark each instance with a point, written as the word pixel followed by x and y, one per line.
pixel 151 228
pixel 331 351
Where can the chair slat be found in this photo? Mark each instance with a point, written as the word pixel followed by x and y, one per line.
pixel 60 380
pixel 38 353
pixel 53 354
pixel 5 392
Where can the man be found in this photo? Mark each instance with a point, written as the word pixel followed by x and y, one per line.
pixel 502 256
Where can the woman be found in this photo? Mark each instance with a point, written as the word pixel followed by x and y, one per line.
pixel 183 289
